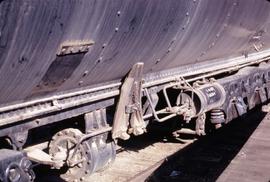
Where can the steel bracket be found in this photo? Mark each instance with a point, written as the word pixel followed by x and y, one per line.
pixel 128 116
pixel 74 47
pixel 200 124
pixel 95 120
pixel 17 140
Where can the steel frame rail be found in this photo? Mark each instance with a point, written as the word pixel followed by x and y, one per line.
pixel 10 114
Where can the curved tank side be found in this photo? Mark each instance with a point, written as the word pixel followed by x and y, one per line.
pixel 161 33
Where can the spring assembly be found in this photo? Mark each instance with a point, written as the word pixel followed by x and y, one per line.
pixel 217 116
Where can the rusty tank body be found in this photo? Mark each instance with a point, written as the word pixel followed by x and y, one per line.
pixel 62 59
pixel 162 34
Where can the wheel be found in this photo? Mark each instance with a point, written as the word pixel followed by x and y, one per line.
pixel 61 149
pixel 92 154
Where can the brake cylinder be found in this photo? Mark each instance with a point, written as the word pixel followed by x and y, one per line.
pixel 204 97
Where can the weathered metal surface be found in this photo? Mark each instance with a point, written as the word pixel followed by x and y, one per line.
pixel 68 48
pixel 245 90
pixel 14 166
pixel 226 98
pixel 162 34
pixel 61 147
pixel 81 153
pixel 128 115
pixel 15 128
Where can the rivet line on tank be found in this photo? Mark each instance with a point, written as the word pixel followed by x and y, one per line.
pixel 118 13
pixel 225 25
pixel 183 28
pixel 99 59
pixel 80 82
pixel 85 73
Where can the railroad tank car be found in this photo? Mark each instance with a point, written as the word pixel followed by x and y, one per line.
pixel 114 66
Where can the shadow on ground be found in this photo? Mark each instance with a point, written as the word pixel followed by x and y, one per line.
pixel 206 158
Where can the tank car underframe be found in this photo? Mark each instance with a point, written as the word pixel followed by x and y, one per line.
pixel 224 97
pixel 16 118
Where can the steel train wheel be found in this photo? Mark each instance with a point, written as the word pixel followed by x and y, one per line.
pixel 61 149
pixel 93 155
